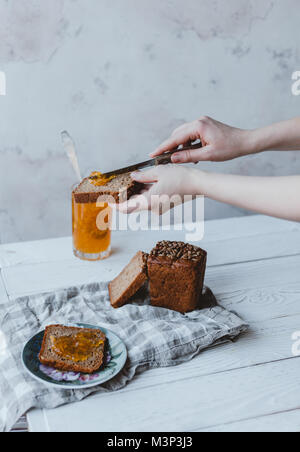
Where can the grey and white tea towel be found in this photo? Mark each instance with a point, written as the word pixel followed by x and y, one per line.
pixel 155 337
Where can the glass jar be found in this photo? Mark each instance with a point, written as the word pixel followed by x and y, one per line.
pixel 91 224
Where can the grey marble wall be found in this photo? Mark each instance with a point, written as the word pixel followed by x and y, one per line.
pixel 119 76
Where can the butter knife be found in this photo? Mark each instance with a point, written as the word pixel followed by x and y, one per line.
pixel 163 159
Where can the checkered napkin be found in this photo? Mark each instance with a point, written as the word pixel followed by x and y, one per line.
pixel 155 337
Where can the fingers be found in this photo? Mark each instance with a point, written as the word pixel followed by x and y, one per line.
pixel 140 202
pixel 193 156
pixel 183 134
pixel 170 144
pixel 145 177
pixel 173 142
pixel 158 204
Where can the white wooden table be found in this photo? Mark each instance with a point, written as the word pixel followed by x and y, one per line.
pixel 250 385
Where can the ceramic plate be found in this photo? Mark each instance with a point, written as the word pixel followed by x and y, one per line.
pixel 115 360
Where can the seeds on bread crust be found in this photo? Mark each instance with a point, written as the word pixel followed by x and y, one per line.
pixel 178 250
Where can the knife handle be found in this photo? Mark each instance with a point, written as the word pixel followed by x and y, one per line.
pixel 166 158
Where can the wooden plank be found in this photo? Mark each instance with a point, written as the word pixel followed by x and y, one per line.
pixel 253 248
pixel 21 426
pixel 191 404
pixel 220 252
pixel 254 275
pixel 265 342
pixel 45 277
pixel 286 422
pixel 37 422
pixel 233 230
pixel 247 226
pixel 35 252
pixel 263 303
pixel 246 253
pixel 230 279
pixel 60 250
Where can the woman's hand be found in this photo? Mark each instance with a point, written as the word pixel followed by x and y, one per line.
pixel 274 196
pixel 166 187
pixel 220 142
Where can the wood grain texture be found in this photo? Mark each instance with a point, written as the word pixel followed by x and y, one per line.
pixel 227 279
pixel 263 303
pixel 253 275
pixel 248 385
pixel 285 422
pixel 21 426
pixel 217 232
pixel 190 404
pixel 266 342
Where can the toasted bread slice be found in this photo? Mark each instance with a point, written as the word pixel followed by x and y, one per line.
pixel 51 356
pixel 129 281
pixel 121 188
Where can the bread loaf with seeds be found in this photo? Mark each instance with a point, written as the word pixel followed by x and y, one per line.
pixel 176 273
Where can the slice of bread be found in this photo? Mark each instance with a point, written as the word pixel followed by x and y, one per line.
pixel 121 188
pixel 50 356
pixel 129 281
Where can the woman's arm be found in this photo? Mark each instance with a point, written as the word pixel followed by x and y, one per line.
pixel 274 196
pixel 222 142
pixel 281 136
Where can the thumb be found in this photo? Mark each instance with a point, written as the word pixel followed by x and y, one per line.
pixel 145 177
pixel 193 155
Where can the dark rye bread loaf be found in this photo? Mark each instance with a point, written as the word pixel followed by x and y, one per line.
pixel 129 281
pixel 49 357
pixel 176 273
pixel 121 188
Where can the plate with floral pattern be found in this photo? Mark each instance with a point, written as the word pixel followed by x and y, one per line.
pixel 114 361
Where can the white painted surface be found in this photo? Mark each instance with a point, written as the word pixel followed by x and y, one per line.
pixel 189 404
pixel 249 385
pixel 286 422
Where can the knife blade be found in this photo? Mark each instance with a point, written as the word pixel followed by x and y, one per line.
pixel 163 159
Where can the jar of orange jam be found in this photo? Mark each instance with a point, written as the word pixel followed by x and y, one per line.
pixel 91 230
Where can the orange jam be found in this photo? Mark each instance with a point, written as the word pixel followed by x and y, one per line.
pixel 98 179
pixel 91 227
pixel 77 348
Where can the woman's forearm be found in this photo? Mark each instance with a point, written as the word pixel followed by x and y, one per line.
pixel 281 136
pixel 274 196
